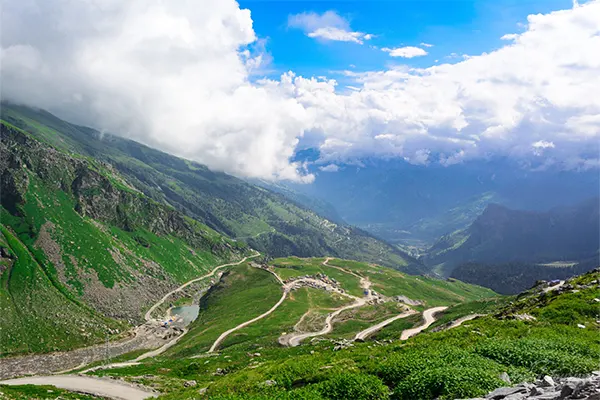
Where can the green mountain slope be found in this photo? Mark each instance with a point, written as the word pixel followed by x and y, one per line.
pixel 246 292
pixel 267 221
pixel 83 252
pixel 540 332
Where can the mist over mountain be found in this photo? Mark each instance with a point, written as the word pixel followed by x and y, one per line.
pixel 563 236
pixel 408 203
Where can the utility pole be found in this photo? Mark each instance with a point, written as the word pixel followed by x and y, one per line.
pixel 107 353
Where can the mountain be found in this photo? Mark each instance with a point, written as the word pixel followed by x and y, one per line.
pixel 501 235
pixel 416 204
pixel 82 252
pixel 515 277
pixel 268 221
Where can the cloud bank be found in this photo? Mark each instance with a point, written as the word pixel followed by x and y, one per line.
pixel 178 76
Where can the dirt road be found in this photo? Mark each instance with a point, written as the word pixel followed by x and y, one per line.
pixel 371 330
pixel 85 384
pixel 148 315
pixel 461 320
pixel 287 287
pixel 551 288
pixel 294 339
pixel 243 325
pixel 428 319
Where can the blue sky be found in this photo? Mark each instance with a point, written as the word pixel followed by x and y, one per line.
pixel 461 27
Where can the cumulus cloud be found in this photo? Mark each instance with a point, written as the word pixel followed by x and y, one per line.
pixel 327 26
pixel 405 52
pixel 542 87
pixel 178 76
pixel 174 75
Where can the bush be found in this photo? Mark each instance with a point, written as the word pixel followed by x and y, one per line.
pixel 540 356
pixel 447 383
pixel 354 386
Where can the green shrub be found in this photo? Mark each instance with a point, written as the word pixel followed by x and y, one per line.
pixel 447 383
pixel 540 356
pixel 354 386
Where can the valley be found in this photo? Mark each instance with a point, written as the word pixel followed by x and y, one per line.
pixel 243 355
pixel 125 271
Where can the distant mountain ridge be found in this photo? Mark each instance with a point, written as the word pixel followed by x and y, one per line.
pixel 502 235
pixel 416 204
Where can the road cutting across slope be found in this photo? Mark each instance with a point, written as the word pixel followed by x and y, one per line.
pixel 371 330
pixel 148 315
pixel 428 319
pixel 86 384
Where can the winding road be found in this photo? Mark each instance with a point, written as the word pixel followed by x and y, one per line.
pixel 287 287
pixel 428 319
pixel 86 384
pixel 112 389
pixel 148 315
pixel 294 339
pixel 461 320
pixel 371 330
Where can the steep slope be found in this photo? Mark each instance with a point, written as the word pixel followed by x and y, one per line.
pixel 501 235
pixel 82 251
pixel 267 221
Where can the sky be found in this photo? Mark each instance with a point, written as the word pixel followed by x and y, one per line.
pixel 242 87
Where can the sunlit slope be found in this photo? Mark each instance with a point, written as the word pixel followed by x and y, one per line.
pixel 250 290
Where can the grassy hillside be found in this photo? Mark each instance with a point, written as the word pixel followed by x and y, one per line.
pixel 558 336
pixel 77 241
pixel 431 291
pixel 267 221
pixel 245 292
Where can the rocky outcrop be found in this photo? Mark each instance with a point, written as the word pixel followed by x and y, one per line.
pixel 551 389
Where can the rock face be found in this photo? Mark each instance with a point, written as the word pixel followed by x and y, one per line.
pixel 551 389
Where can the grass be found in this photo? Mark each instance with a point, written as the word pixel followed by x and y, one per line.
pixel 36 317
pixel 294 267
pixel 463 362
pixel 387 281
pixel 243 293
pixel 34 392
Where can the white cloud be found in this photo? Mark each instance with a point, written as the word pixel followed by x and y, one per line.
pixel 330 168
pixel 173 75
pixel 426 44
pixel 327 26
pixel 542 87
pixel 405 52
pixel 510 36
pixel 543 144
pixel 178 76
